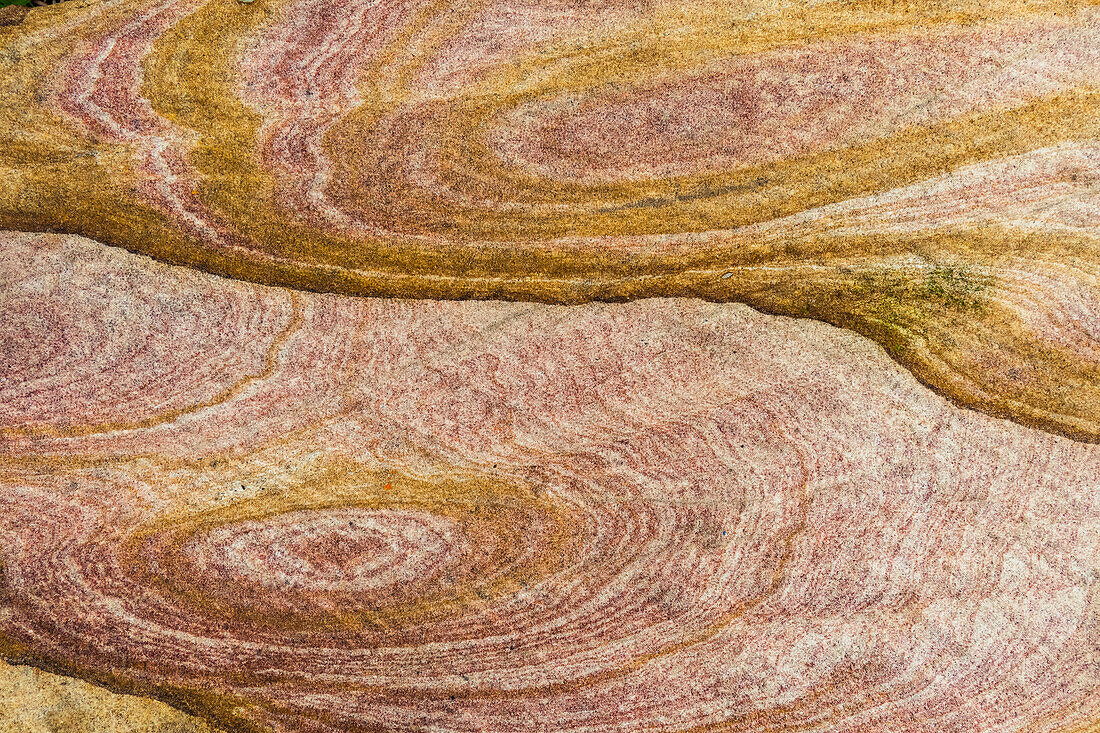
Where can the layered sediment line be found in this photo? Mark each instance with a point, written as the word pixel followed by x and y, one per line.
pixel 320 513
pixel 921 173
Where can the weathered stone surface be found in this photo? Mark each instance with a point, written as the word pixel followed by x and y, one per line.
pixel 923 173
pixel 304 512
pixel 294 510
pixel 12 15
pixel 33 701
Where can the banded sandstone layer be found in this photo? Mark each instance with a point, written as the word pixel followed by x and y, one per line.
pixel 923 173
pixel 297 512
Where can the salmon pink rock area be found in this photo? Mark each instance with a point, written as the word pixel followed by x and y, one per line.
pixel 591 366
pixel 304 512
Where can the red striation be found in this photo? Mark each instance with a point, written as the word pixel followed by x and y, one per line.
pixel 923 174
pixel 795 102
pixel 398 82
pixel 81 363
pixel 99 85
pixel 304 512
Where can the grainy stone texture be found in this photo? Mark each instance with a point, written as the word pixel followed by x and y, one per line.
pixel 924 173
pixel 617 498
pixel 12 15
pixel 289 511
pixel 33 701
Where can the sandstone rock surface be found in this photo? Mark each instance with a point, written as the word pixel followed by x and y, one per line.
pixel 924 173
pixel 291 511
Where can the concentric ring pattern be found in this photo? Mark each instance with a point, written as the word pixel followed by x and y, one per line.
pixel 471 516
pixel 924 173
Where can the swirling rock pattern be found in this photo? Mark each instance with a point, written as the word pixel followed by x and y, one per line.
pixel 319 513
pixel 924 173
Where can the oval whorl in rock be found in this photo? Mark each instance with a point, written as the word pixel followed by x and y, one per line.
pixel 476 516
pixel 923 173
